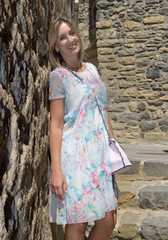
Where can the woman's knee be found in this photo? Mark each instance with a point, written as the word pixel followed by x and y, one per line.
pixel 82 227
pixel 77 227
pixel 108 223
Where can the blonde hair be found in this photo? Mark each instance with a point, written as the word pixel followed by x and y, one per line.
pixel 55 57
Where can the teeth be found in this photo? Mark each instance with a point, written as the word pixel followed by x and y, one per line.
pixel 71 47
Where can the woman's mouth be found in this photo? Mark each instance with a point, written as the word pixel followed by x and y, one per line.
pixel 72 47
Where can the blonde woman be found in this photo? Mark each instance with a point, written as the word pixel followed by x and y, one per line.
pixel 81 188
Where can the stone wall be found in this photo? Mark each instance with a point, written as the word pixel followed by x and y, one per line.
pixel 132 48
pixel 24 116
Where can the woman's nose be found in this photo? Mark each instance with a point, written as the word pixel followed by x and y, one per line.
pixel 70 38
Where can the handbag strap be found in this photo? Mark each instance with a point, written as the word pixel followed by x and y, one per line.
pixel 105 125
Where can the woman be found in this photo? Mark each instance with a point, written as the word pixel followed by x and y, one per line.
pixel 81 183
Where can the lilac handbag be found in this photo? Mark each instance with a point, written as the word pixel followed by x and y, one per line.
pixel 119 160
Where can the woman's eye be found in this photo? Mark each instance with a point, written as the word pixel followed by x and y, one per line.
pixel 62 38
pixel 72 33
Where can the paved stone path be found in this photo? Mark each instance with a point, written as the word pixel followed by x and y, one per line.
pixel 147 152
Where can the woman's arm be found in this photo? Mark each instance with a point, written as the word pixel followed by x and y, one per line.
pixel 110 127
pixel 57 181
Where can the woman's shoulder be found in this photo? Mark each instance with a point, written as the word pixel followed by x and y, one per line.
pixel 57 70
pixel 92 68
pixel 90 65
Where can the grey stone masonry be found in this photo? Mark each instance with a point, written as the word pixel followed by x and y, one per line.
pixel 155 228
pixel 143 207
pixel 24 115
pixel 132 58
pixel 154 197
pixel 153 168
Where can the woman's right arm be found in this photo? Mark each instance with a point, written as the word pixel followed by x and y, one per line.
pixel 57 181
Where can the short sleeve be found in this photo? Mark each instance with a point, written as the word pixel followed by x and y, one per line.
pixel 56 87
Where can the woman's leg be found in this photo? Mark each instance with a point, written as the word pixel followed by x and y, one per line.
pixel 103 228
pixel 75 231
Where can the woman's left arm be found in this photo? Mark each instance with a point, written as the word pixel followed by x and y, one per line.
pixel 110 127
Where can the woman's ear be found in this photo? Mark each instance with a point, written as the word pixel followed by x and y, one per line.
pixel 56 49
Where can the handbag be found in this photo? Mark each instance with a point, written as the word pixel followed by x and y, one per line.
pixel 119 160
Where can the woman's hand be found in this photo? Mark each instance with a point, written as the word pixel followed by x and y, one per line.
pixel 58 184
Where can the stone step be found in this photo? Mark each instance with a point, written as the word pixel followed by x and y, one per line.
pixel 154 197
pixel 141 224
pixel 143 207
pixel 147 160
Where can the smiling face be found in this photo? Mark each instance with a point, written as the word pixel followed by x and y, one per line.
pixel 68 42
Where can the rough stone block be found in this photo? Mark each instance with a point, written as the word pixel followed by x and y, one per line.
pixel 120 9
pixel 127 60
pixel 104 51
pixel 163 11
pixel 164 98
pixel 109 66
pixel 132 123
pixel 135 167
pixel 118 126
pixel 127 226
pixel 163 122
pixel 154 197
pixel 158 114
pixel 117 108
pixel 143 86
pixel 126 52
pixel 128 74
pixel 155 228
pixel 155 137
pixel 153 73
pixel 155 102
pixel 141 106
pixel 152 1
pixel 145 115
pixel 138 35
pixel 156 169
pixel 129 92
pixel 147 94
pixel 152 20
pixel 109 43
pixel 106 58
pixel 133 106
pixel 128 231
pixel 160 27
pixel 125 117
pixel 126 84
pixel 132 26
pixel 147 126
pixel 104 24
pixel 104 5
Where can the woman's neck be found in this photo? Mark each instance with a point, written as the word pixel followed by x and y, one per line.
pixel 77 67
pixel 73 63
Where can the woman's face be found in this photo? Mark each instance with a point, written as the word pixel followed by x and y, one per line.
pixel 68 43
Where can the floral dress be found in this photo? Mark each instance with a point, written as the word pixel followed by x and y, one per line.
pixel 84 152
